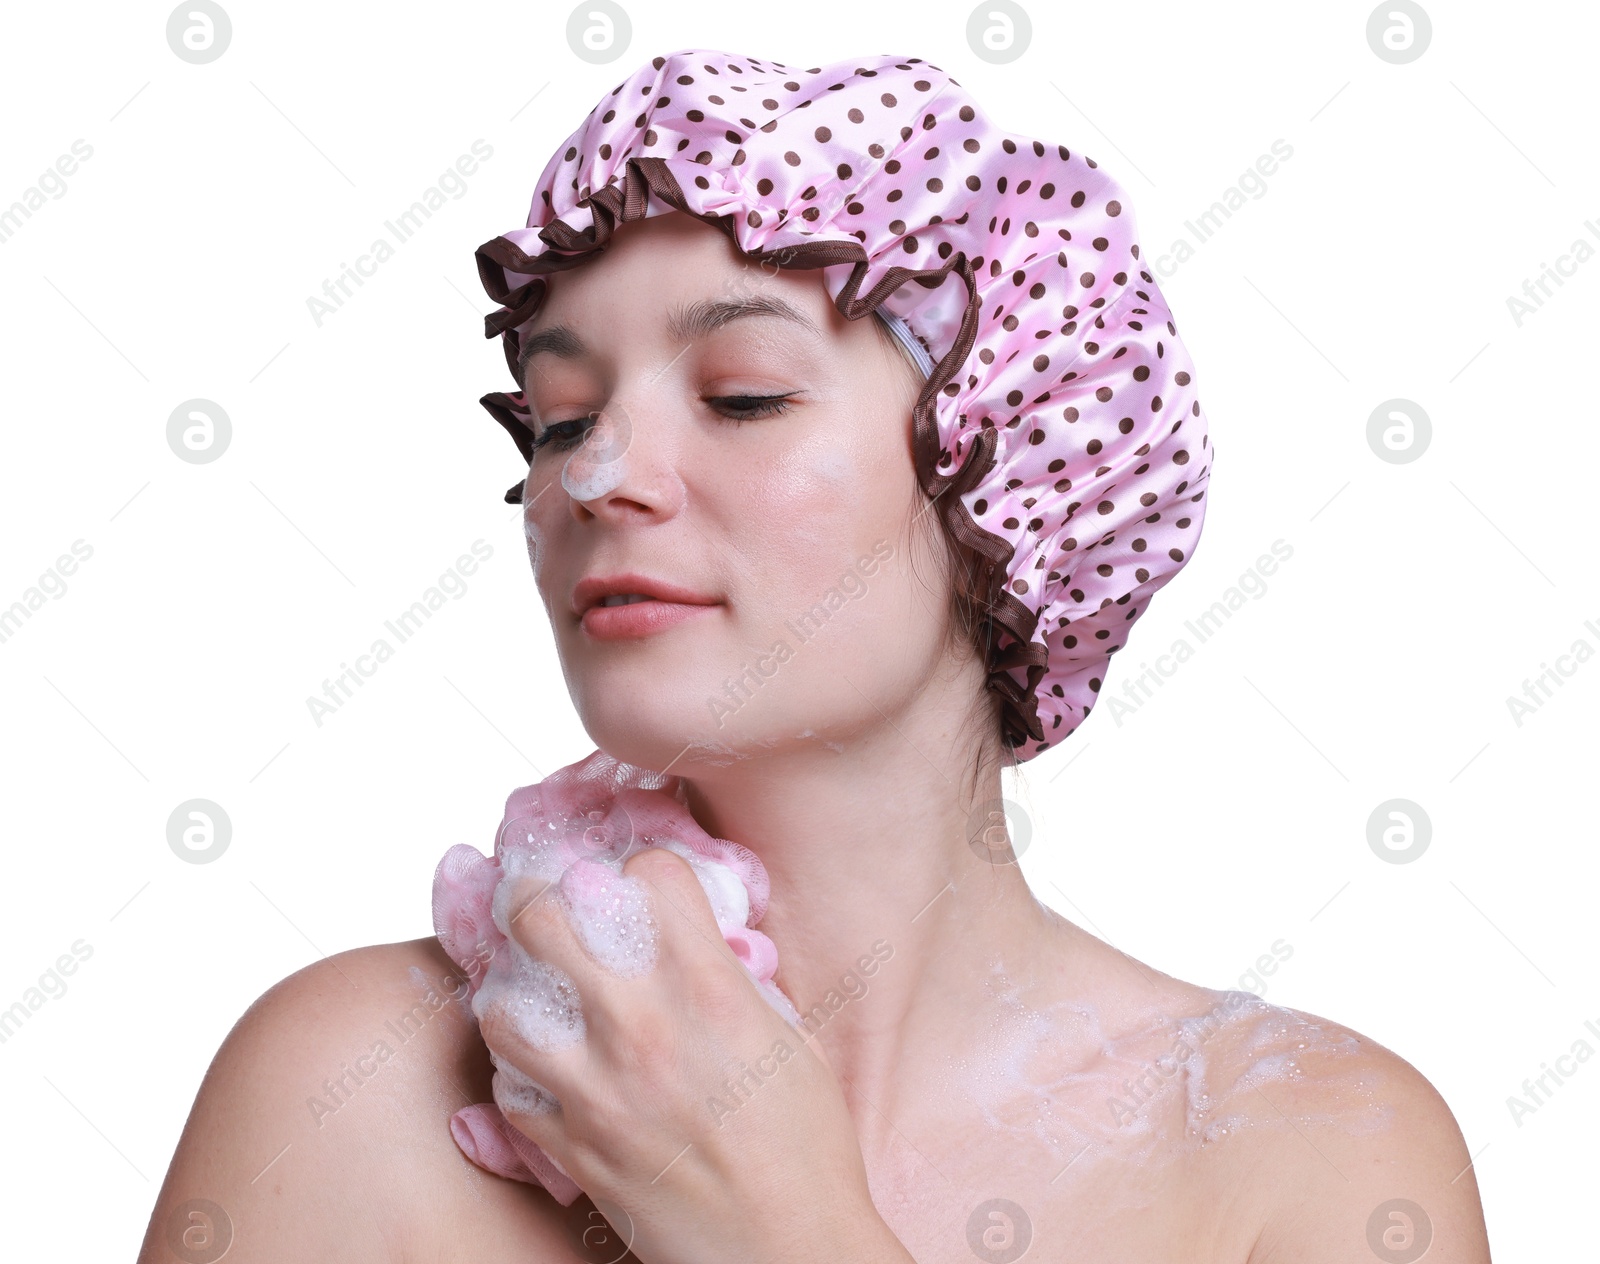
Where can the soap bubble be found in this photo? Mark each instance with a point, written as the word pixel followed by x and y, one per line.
pixel 610 914
pixel 537 1000
pixel 596 467
pixel 607 833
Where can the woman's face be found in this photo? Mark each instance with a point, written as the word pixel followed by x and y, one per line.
pixel 763 464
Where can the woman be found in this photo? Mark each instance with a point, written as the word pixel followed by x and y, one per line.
pixel 708 421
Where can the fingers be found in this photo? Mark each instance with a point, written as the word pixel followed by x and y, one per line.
pixel 547 987
pixel 711 977
pixel 531 1006
pixel 678 901
pixel 589 924
pixel 531 1015
pixel 601 926
pixel 612 914
pixel 577 948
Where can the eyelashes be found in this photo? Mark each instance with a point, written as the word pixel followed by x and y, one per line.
pixel 736 408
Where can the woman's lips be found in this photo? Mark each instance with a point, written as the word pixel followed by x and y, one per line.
pixel 637 619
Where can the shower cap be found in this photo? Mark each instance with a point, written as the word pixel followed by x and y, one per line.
pixel 1059 433
pixel 598 810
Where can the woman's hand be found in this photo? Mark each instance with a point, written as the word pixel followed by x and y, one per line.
pixel 691 1110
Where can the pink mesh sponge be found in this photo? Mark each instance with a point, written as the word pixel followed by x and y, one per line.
pixel 598 810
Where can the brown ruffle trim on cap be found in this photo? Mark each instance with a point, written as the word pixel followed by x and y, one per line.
pixel 1002 615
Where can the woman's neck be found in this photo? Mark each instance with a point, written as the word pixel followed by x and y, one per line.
pixel 892 910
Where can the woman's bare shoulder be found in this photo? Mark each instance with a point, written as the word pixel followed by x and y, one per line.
pixel 321 1129
pixel 1349 1145
pixel 1324 1142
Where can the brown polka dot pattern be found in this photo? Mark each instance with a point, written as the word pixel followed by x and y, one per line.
pixel 1060 436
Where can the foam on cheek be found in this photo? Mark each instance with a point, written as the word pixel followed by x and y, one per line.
pixel 833 465
pixel 535 538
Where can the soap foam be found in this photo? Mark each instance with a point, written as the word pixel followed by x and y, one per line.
pixel 587 480
pixel 575 857
pixel 566 839
pixel 1150 1095
pixel 539 1000
pixel 730 902
pixel 535 539
pixel 611 914
pixel 514 1090
pixel 723 754
pixel 597 466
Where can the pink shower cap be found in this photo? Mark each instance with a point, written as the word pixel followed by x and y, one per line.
pixel 1059 434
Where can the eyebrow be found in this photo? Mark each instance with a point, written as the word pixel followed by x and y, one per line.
pixel 686 322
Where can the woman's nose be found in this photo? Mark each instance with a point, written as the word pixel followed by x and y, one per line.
pixel 621 468
pixel 599 464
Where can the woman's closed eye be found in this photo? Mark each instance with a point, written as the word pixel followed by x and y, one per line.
pixel 736 408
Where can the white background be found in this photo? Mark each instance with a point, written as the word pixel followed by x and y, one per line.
pixel 1227 812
